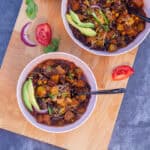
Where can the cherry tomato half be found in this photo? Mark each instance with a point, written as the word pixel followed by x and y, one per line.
pixel 122 72
pixel 44 34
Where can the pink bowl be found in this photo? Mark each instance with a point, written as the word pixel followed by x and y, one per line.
pixel 90 77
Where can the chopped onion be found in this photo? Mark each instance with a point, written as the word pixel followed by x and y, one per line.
pixel 95 6
pixel 24 35
pixel 42 111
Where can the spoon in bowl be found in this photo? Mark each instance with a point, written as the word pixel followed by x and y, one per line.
pixel 132 10
pixel 100 92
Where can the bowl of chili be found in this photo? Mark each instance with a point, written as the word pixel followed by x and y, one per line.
pixel 43 83
pixel 105 27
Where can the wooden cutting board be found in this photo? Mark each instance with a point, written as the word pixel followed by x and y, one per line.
pixel 95 134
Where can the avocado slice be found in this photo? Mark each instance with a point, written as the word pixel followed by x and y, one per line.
pixel 32 95
pixel 76 19
pixel 85 31
pixel 25 96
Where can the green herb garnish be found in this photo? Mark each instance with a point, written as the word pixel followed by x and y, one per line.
pixel 53 46
pixel 104 17
pixel 49 68
pixel 70 75
pixel 49 110
pixel 51 96
pixel 95 17
pixel 32 9
pixel 104 26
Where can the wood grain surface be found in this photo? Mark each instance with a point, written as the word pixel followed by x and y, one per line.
pixel 95 134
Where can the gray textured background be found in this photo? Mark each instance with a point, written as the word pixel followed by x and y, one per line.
pixel 132 129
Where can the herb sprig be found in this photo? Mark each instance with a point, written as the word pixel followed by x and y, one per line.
pixel 53 46
pixel 32 9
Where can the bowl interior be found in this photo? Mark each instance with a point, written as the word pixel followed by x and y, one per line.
pixel 90 77
pixel 139 39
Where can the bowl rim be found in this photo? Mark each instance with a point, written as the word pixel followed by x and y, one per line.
pixel 120 51
pixel 20 101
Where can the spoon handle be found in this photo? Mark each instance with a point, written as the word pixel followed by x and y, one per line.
pixel 133 11
pixel 112 91
pixel 143 17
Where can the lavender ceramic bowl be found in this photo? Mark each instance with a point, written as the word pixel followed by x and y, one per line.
pixel 90 77
pixel 126 49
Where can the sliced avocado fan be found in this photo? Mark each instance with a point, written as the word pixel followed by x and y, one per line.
pixel 32 95
pixel 25 96
pixel 29 96
pixel 76 19
pixel 85 31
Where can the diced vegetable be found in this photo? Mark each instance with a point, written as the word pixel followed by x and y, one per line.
pixel 61 102
pixel 69 116
pixel 41 91
pixel 82 97
pixel 112 47
pixel 60 70
pixel 80 83
pixel 74 103
pixel 45 118
pixel 55 78
pixel 138 3
pixel 54 90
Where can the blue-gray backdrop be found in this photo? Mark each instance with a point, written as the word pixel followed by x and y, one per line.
pixel 132 129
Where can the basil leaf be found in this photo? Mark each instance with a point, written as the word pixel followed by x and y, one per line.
pixel 53 46
pixel 31 9
pixel 28 1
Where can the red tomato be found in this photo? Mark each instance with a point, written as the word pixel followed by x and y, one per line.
pixel 122 72
pixel 44 34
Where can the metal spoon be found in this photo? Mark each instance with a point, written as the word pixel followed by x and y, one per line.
pixel 132 10
pixel 99 92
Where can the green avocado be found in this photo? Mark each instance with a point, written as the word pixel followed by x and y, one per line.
pixel 85 31
pixel 76 19
pixel 31 95
pixel 25 96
